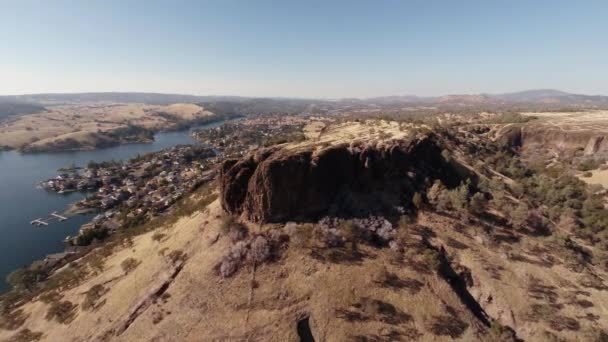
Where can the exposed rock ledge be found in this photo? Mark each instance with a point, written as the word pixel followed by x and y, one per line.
pixel 280 184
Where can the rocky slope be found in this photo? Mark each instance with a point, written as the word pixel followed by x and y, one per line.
pixel 561 133
pixel 279 274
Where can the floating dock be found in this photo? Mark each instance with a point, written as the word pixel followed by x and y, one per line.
pixel 59 217
pixel 45 222
pixel 39 222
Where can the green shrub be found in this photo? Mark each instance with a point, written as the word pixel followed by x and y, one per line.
pixel 88 236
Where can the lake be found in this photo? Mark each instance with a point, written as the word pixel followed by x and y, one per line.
pixel 21 202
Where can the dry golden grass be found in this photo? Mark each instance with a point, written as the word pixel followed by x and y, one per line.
pixel 377 295
pixel 597 177
pixel 595 120
pixel 81 122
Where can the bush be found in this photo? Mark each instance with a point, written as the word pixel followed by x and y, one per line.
pixel 260 250
pixel 299 235
pixel 232 260
pixel 25 279
pixel 62 312
pixel 158 236
pixel 233 229
pixel 26 335
pixel 177 256
pixel 90 235
pixel 588 165
pixel 129 264
pixel 459 197
pixel 253 250
pixel 11 319
pixel 92 296
pixel 432 259
pixel 498 332
pixel 448 326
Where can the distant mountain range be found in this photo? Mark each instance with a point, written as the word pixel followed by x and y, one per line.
pixel 536 96
pixel 113 97
pixel 535 99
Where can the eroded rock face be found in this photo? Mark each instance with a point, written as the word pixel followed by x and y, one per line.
pixel 595 145
pixel 277 184
pixel 534 137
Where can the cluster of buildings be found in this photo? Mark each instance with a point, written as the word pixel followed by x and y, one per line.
pixel 235 139
pixel 141 187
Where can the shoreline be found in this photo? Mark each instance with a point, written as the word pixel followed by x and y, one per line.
pixel 72 209
pixel 179 127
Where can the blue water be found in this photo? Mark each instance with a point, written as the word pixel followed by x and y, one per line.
pixel 21 202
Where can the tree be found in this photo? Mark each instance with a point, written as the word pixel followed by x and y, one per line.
pixel 25 279
pixel 459 197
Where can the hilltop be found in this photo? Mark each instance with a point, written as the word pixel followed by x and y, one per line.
pixel 90 126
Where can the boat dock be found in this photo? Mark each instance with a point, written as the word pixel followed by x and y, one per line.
pixel 45 222
pixel 39 222
pixel 59 217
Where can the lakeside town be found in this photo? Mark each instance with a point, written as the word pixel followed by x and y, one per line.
pixel 237 138
pixel 125 194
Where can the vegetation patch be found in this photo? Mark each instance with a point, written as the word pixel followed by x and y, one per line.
pixel 129 265
pixel 445 325
pixel 62 312
pixel 252 250
pixel 26 335
pixel 373 309
pixel 391 280
pixel 92 297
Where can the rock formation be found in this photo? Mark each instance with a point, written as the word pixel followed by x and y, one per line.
pixel 595 145
pixel 279 184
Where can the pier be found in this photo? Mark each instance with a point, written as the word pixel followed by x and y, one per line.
pixel 45 222
pixel 59 217
pixel 39 222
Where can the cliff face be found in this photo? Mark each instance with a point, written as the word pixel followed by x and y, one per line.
pixel 278 184
pixel 534 137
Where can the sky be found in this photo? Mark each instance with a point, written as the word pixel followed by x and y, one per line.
pixel 304 48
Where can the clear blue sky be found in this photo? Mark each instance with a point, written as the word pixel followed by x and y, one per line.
pixel 303 48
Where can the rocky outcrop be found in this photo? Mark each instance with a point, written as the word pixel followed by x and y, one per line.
pixel 280 184
pixel 595 145
pixel 534 137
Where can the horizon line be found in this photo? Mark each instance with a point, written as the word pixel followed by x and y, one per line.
pixel 564 93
